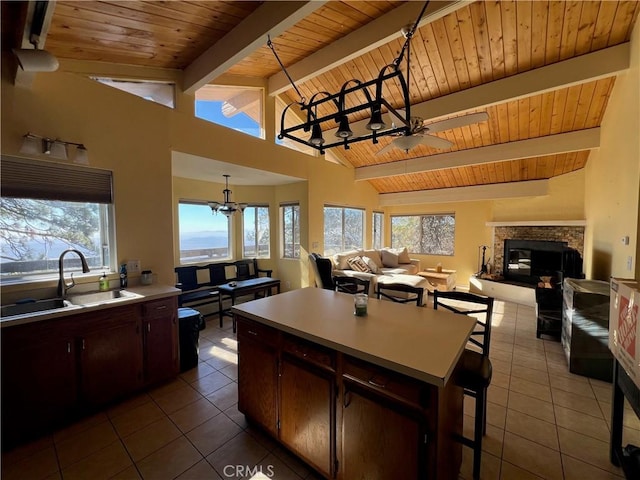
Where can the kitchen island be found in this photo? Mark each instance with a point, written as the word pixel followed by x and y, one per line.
pixel 354 397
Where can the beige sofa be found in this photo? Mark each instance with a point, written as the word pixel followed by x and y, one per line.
pixel 385 265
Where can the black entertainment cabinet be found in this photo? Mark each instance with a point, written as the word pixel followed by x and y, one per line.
pixel 543 265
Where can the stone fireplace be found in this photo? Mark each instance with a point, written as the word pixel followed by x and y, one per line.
pixel 571 232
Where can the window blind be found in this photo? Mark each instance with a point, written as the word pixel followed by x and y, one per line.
pixel 27 178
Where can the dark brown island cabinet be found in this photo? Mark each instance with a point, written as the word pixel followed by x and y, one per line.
pixel 347 416
pixel 54 371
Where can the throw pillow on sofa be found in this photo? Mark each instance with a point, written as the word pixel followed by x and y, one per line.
pixel 371 263
pixel 373 255
pixel 402 254
pixel 389 258
pixel 359 265
pixel 340 259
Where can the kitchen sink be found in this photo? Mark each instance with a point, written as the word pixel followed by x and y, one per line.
pixel 33 306
pixel 92 298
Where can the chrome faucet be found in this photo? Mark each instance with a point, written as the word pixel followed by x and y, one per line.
pixel 63 287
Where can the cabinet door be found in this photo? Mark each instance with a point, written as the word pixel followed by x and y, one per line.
pixel 38 381
pixel 306 413
pixel 111 356
pixel 160 340
pixel 257 376
pixel 378 441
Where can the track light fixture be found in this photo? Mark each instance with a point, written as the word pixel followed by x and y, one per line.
pixel 54 147
pixel 227 208
pixel 338 111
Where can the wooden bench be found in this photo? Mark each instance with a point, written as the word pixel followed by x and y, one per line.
pixel 199 283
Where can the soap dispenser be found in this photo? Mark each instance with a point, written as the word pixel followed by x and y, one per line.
pixel 104 282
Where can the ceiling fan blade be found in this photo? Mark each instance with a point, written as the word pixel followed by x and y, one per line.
pixel 436 142
pixel 457 122
pixel 386 149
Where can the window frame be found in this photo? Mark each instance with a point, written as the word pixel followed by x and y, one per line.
pixel 204 203
pixel 421 235
pixel 380 236
pixel 343 247
pixel 295 223
pixel 256 206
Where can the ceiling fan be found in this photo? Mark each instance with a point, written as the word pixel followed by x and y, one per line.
pixel 419 132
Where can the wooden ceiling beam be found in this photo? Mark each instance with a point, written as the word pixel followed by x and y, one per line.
pixel 271 18
pixel 531 188
pixel 535 147
pixel 121 71
pixel 585 68
pixel 378 32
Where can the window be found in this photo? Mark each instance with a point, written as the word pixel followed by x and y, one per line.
pixel 47 208
pixel 256 232
pixel 239 108
pixel 427 234
pixel 158 92
pixel 290 215
pixel 343 229
pixel 203 235
pixel 378 230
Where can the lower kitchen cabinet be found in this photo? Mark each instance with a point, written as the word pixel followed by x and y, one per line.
pixel 56 370
pixel 258 375
pixel 38 381
pixel 110 355
pixel 379 441
pixel 160 337
pixel 307 413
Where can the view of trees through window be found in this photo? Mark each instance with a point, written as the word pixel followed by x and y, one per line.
pixel 343 229
pixel 35 232
pixel 290 215
pixel 427 234
pixel 256 232
pixel 203 236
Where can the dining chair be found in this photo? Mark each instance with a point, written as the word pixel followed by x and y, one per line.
pixel 400 293
pixel 322 268
pixel 473 371
pixel 351 285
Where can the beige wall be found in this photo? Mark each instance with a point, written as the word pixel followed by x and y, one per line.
pixel 565 201
pixel 612 180
pixel 294 273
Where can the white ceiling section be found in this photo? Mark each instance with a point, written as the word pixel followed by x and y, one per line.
pixel 200 168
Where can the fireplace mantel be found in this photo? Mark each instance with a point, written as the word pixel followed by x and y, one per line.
pixel 539 223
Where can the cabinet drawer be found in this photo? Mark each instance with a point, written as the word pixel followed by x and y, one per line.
pixel 257 331
pixel 308 351
pixel 159 308
pixel 386 382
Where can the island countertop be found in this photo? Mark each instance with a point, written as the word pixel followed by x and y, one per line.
pixel 419 342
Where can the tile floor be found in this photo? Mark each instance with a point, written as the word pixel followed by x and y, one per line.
pixel 543 422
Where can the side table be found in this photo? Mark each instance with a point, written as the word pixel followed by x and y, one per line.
pixel 445 281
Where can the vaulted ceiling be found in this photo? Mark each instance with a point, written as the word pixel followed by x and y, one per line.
pixel 542 71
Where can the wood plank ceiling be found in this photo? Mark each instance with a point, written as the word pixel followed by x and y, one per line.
pixel 478 43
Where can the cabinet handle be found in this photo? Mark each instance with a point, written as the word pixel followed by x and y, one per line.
pixel 148 327
pixel 376 384
pixel 252 332
pixel 83 344
pixel 346 400
pixel 161 307
pixel 68 347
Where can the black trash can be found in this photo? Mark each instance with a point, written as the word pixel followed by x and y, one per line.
pixel 189 331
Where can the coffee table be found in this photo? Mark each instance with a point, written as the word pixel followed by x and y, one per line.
pixel 444 281
pixel 244 287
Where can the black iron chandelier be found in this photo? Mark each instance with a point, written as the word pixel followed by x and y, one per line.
pixel 374 103
pixel 227 208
